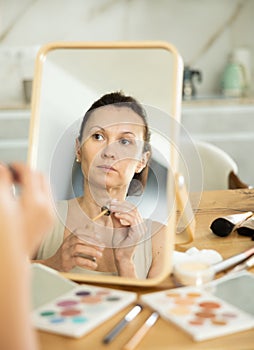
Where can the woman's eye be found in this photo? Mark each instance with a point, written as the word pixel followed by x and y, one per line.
pixel 125 142
pixel 98 136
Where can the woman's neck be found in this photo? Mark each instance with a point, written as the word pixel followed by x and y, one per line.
pixel 94 199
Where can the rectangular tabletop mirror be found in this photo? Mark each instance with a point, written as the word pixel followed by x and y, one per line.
pixel 69 78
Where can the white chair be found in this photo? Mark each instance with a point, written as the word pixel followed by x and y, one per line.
pixel 219 170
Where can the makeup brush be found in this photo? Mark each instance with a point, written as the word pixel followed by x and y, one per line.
pixel 245 265
pixel 233 260
pixel 104 211
pixel 15 181
pixel 14 174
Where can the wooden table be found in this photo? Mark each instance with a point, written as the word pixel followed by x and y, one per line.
pixel 164 335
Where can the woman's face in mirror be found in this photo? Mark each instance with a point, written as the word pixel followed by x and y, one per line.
pixel 112 147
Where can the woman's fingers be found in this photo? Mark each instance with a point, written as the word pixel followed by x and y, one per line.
pixel 82 249
pixel 33 204
pixel 127 219
pixel 124 214
pixel 6 176
pixel 6 181
pixel 77 253
pixel 31 208
pixel 33 184
pixel 24 175
pixel 85 262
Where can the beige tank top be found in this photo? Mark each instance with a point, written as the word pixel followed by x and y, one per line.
pixel 142 258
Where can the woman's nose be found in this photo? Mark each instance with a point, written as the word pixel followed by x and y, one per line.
pixel 109 151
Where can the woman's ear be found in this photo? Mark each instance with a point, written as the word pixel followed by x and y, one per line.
pixel 143 162
pixel 78 151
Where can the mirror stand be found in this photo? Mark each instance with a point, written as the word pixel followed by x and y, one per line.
pixel 186 223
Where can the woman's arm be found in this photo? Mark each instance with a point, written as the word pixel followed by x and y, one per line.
pixel 74 252
pixel 23 221
pixel 158 249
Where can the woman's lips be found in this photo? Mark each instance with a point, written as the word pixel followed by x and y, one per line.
pixel 106 168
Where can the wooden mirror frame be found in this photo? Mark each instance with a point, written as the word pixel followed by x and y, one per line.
pixel 175 112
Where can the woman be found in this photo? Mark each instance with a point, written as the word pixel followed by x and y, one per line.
pixel 24 219
pixel 113 151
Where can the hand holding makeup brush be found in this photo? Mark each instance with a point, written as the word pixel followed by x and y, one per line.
pixel 24 219
pixel 129 230
pixel 32 208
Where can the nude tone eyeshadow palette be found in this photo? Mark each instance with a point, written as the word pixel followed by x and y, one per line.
pixel 80 310
pixel 199 312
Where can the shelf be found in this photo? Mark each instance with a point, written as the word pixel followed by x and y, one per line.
pixel 15 107
pixel 218 101
pixel 17 143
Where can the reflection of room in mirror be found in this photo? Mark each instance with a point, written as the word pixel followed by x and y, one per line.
pixel 68 79
pixel 151 69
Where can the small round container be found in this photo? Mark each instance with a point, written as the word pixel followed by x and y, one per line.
pixel 193 273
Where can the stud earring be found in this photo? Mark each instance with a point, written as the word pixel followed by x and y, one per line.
pixel 77 160
pixel 139 169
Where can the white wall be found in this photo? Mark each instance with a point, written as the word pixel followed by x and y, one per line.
pixel 189 24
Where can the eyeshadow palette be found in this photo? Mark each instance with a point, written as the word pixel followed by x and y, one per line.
pixel 81 310
pixel 198 312
pixel 70 309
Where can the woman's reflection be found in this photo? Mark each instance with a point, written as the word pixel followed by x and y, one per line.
pixel 113 151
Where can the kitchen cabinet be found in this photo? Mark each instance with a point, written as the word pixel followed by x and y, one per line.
pixel 229 124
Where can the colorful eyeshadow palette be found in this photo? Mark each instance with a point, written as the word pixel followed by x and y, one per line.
pixel 71 309
pixel 81 310
pixel 199 312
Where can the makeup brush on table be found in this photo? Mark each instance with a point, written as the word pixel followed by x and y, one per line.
pixel 243 266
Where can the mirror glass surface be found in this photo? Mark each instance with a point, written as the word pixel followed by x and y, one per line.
pixel 68 79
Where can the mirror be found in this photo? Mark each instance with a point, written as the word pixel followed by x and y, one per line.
pixel 68 78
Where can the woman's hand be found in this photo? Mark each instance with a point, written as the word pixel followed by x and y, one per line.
pixel 129 230
pixel 24 219
pixel 31 210
pixel 79 249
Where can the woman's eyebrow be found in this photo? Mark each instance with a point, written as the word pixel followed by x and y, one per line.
pixel 96 127
pixel 128 133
